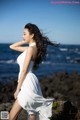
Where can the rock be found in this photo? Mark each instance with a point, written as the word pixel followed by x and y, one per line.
pixel 61 85
pixel 64 110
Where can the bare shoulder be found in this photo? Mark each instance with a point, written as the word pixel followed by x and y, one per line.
pixel 32 50
pixel 29 53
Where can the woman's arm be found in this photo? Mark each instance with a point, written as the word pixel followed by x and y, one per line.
pixel 25 67
pixel 17 46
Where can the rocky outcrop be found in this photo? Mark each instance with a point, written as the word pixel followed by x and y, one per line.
pixel 62 86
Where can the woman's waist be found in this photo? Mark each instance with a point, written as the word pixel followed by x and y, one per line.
pixel 29 71
pixel 28 74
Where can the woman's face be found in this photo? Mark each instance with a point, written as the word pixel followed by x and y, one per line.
pixel 27 36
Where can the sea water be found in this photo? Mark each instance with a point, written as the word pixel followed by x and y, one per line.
pixel 65 58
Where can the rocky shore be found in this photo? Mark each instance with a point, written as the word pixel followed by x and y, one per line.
pixel 62 86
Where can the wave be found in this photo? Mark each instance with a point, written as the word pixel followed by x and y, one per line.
pixel 63 49
pixel 48 62
pixel 54 63
pixel 72 60
pixel 68 60
pixel 7 61
pixel 76 50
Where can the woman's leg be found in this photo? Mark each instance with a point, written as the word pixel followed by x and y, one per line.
pixel 16 109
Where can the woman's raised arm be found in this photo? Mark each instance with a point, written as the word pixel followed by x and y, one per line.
pixel 17 46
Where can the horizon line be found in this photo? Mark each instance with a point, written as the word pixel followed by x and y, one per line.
pixel 60 44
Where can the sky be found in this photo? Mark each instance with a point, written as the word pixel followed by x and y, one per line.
pixel 60 22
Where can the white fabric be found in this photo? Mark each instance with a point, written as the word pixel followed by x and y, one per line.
pixel 30 96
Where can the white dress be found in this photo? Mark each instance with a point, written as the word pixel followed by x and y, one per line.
pixel 30 96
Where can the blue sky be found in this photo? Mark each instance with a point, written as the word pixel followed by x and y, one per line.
pixel 60 22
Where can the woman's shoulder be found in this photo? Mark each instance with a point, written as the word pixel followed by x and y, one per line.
pixel 32 50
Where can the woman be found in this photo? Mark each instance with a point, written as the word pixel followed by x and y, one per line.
pixel 28 94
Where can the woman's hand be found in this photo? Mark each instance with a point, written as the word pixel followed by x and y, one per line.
pixel 16 93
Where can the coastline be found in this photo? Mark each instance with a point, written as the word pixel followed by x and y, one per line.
pixel 61 86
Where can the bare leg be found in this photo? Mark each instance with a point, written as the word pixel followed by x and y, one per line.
pixel 16 109
pixel 32 117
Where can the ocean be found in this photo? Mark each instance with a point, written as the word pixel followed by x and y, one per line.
pixel 65 58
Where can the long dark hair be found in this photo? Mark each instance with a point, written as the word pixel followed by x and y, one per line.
pixel 41 42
